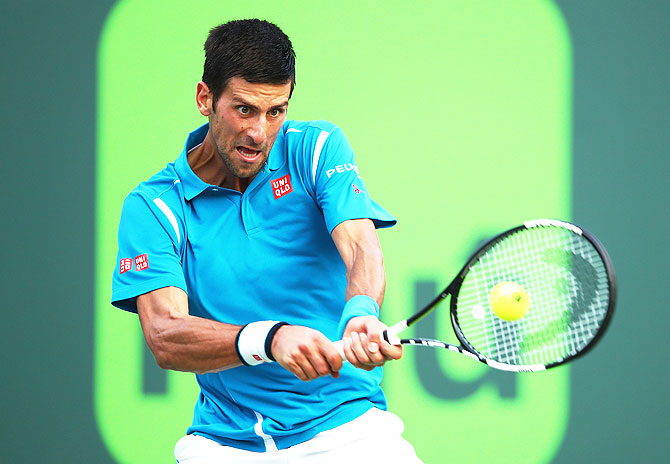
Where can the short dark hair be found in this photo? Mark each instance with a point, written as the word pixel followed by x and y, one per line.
pixel 254 49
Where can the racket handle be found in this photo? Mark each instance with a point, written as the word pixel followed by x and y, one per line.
pixel 340 348
pixel 391 334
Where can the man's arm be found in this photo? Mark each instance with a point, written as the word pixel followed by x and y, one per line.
pixel 358 244
pixel 183 342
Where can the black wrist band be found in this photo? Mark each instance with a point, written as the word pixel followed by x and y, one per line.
pixel 270 337
pixel 237 347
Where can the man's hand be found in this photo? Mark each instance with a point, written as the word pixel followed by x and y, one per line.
pixel 305 352
pixel 363 345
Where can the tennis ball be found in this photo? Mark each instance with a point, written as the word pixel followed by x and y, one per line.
pixel 509 301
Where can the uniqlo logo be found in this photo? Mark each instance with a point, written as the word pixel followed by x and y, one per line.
pixel 282 186
pixel 126 265
pixel 256 357
pixel 141 262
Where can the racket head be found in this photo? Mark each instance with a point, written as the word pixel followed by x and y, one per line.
pixel 568 279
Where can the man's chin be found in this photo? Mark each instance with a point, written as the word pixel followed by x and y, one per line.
pixel 242 169
pixel 249 170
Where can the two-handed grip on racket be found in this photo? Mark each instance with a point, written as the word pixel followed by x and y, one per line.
pixel 390 335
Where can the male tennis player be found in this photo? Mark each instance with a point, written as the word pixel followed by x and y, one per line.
pixel 251 252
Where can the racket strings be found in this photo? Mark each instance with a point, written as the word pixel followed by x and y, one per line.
pixel 567 283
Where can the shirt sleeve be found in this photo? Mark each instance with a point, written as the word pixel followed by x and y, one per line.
pixel 341 192
pixel 149 253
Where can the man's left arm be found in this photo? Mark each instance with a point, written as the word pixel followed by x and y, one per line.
pixel 358 244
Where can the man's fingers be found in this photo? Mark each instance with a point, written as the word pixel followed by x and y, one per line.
pixel 334 361
pixel 320 361
pixel 348 350
pixel 391 352
pixel 362 353
pixel 370 346
pixel 372 350
pixel 367 348
pixel 357 348
pixel 301 369
pixel 305 352
pixel 320 364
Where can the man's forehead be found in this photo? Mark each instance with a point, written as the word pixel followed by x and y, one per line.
pixel 275 94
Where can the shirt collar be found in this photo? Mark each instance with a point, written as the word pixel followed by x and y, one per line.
pixel 194 186
pixel 278 154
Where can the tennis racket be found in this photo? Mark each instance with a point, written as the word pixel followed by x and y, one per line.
pixel 534 297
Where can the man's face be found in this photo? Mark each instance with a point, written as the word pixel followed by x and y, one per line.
pixel 245 122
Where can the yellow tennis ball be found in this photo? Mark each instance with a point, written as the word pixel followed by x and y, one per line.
pixel 509 301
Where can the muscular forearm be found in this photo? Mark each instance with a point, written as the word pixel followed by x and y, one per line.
pixel 197 345
pixel 183 342
pixel 357 242
pixel 365 274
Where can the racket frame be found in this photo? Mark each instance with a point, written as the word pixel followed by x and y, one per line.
pixel 391 334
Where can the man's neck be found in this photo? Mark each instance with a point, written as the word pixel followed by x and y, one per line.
pixel 206 163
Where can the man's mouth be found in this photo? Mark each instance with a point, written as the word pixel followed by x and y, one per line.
pixel 248 154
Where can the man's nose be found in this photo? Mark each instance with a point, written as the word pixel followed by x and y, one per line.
pixel 257 130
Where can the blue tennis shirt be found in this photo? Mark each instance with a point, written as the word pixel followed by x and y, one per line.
pixel 263 254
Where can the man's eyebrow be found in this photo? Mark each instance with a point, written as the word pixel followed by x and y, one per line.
pixel 241 101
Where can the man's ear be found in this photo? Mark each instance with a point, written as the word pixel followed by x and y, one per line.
pixel 204 99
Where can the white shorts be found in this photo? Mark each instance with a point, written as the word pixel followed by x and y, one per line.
pixel 376 436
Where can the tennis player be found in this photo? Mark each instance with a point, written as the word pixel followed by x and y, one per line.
pixel 247 256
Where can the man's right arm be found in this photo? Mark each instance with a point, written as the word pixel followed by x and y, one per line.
pixel 183 342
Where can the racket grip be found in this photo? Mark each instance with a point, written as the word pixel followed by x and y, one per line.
pixel 340 348
pixel 391 334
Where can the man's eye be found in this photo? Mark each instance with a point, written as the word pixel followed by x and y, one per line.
pixel 275 112
pixel 244 109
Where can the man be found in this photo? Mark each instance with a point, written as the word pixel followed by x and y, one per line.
pixel 251 252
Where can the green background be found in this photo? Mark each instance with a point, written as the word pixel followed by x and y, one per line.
pixel 597 69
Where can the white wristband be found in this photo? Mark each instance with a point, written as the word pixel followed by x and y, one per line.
pixel 253 340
